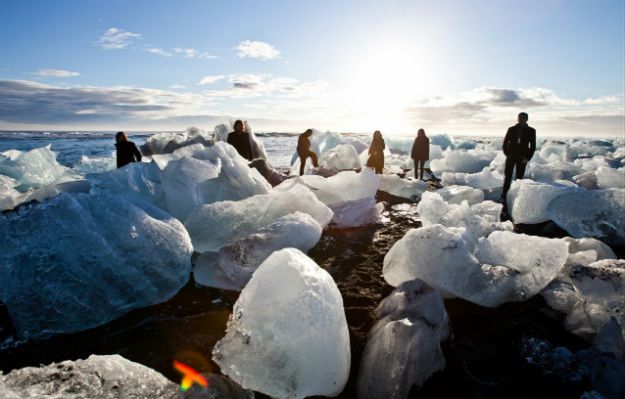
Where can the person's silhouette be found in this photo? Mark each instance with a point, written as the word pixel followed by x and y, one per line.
pixel 420 152
pixel 127 151
pixel 304 152
pixel 376 153
pixel 240 140
pixel 519 146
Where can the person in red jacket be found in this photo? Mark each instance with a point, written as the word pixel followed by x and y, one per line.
pixel 420 152
pixel 304 152
pixel 519 146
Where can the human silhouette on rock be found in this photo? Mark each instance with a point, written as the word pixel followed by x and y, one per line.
pixel 240 140
pixel 304 152
pixel 420 152
pixel 127 151
pixel 519 146
pixel 376 153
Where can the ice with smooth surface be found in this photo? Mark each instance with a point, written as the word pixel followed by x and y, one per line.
pixel 350 195
pixel 32 169
pixel 610 178
pixel 238 260
pixel 119 254
pixel 484 180
pixel 405 188
pixel 504 266
pixel 164 143
pixel 215 225
pixel 403 347
pixel 463 161
pixel 590 295
pixel 528 200
pixel 341 157
pixel 287 336
pixel 87 164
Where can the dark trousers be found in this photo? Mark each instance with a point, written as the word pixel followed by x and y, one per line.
pixel 302 160
pixel 419 164
pixel 513 163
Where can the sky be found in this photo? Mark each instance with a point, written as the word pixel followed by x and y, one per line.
pixel 458 67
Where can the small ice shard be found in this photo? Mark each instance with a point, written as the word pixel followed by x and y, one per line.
pixel 239 259
pixel 403 347
pixel 504 266
pixel 215 225
pixel 287 336
pixel 78 261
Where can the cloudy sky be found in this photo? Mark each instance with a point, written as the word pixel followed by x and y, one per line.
pixel 461 67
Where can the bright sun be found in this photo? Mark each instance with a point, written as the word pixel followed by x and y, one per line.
pixel 385 83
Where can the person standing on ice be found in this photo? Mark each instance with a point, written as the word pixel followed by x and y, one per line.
pixel 518 146
pixel 376 153
pixel 127 151
pixel 420 152
pixel 303 150
pixel 240 140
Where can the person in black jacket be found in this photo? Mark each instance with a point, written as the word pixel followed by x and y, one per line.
pixel 376 153
pixel 127 151
pixel 240 140
pixel 304 152
pixel 420 152
pixel 518 146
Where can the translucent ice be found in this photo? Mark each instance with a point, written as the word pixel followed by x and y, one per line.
pixel 287 336
pixel 590 295
pixel 528 200
pixel 341 157
pixel 484 180
pixel 464 161
pixel 610 178
pixel 238 260
pixel 504 266
pixel 32 169
pixel 405 188
pixel 164 143
pixel 78 261
pixel 212 226
pixel 258 149
pixel 403 347
pixel 456 194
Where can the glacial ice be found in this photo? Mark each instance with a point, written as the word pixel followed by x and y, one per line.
pixel 610 178
pixel 484 180
pixel 403 347
pixel 258 149
pixel 503 267
pixel 32 169
pixel 557 170
pixel 590 295
pixel 333 151
pixel 528 200
pixel 238 260
pixel 287 336
pixel 341 157
pixel 78 261
pixel 350 195
pixel 164 143
pixel 456 194
pixel 87 165
pixel 404 188
pixel 211 226
pixel 463 161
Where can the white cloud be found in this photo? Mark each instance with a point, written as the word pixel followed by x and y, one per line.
pixel 158 51
pixel 208 79
pixel 56 73
pixel 193 53
pixel 256 49
pixel 116 39
pixel 176 86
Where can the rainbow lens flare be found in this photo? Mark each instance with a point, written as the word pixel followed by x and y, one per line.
pixel 189 376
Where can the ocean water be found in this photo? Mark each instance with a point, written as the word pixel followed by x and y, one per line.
pixel 71 146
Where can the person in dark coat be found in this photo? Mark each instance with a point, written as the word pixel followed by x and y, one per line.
pixel 519 146
pixel 376 152
pixel 420 152
pixel 127 151
pixel 240 140
pixel 304 152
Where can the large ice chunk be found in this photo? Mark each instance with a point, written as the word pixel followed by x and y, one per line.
pixel 258 149
pixel 238 260
pixel 484 180
pixel 528 200
pixel 590 295
pixel 333 151
pixel 32 169
pixel 464 161
pixel 610 178
pixel 212 226
pixel 78 261
pixel 403 347
pixel 287 336
pixel 405 188
pixel 456 194
pixel 504 266
pixel 350 195
pixel 164 143
pixel 341 157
